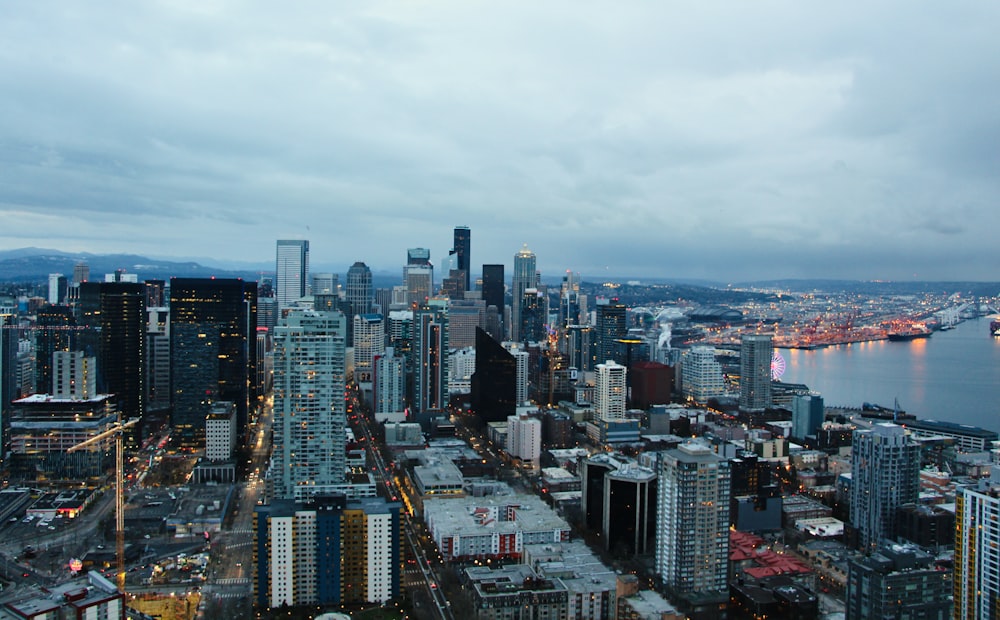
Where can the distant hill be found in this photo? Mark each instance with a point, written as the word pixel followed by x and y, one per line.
pixel 879 287
pixel 35 264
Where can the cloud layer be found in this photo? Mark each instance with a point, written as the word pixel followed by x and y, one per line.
pixel 720 140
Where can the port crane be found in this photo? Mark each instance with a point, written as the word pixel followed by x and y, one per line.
pixel 116 431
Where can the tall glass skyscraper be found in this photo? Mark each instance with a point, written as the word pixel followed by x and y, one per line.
pixel 359 294
pixel 525 276
pixel 461 248
pixel 212 355
pixel 755 372
pixel 291 271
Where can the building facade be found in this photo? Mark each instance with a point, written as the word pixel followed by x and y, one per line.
pixel 692 530
pixel 291 271
pixel 756 351
pixel 310 418
pixel 977 550
pixel 325 552
pixel 885 474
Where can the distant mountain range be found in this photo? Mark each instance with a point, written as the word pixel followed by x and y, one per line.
pixel 34 264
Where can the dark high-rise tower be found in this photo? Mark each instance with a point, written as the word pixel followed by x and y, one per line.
pixel 461 250
pixel 116 314
pixel 51 336
pixel 611 327
pixel 755 371
pixel 493 295
pixel 494 382
pixel 212 355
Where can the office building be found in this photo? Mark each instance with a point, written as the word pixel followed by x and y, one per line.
pixel 610 326
pixel 977 550
pixel 57 288
pixel 117 311
pixel 158 359
pixel 521 359
pixel 652 383
pixel 493 297
pixel 55 332
pixel 900 582
pixel 494 381
pixel 310 417
pixel 610 391
pixel 324 284
pixel 692 531
pixel 807 415
pixel 419 282
pixel 701 374
pixel 464 317
pixel 359 294
pixel 462 249
pixel 81 272
pixel 291 271
pixel 534 312
pixel 220 431
pixel 368 343
pixel 213 357
pixel 885 474
pixel 430 350
pixel 619 500
pixel 581 346
pixel 327 551
pixel 525 276
pixel 756 351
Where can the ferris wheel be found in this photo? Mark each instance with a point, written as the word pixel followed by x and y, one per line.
pixel 777 366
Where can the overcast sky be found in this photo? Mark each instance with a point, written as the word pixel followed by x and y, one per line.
pixel 730 141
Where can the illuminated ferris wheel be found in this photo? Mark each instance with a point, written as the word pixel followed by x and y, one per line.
pixel 777 366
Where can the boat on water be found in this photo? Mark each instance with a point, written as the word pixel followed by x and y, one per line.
pixel 912 332
pixel 995 327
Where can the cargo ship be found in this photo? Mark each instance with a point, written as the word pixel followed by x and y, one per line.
pixel 910 332
pixel 995 327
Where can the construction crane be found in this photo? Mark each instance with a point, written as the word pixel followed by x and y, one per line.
pixel 117 430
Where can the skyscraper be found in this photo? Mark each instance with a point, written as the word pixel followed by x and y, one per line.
pixel 291 271
pixel 430 350
pixel 807 415
pixel 611 326
pixel 389 383
pixel 885 474
pixel 493 295
pixel 977 550
pixel 494 383
pixel 755 372
pixel 702 375
pixel 369 343
pixel 213 353
pixel 310 418
pixel 359 295
pixel 53 334
pixel 525 276
pixel 610 391
pixel 462 248
pixel 116 313
pixel 692 530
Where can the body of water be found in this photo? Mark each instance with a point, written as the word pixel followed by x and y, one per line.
pixel 952 376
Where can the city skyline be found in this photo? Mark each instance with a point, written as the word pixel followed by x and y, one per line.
pixel 725 143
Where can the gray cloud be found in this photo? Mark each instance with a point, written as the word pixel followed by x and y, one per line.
pixel 717 141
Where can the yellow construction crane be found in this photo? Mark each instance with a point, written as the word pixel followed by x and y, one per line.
pixel 117 430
